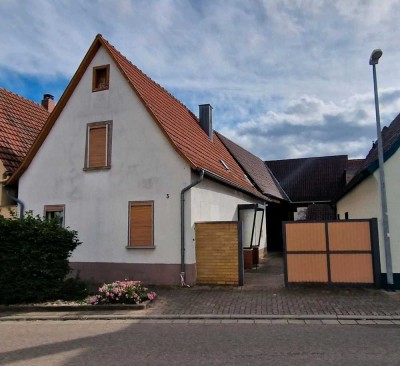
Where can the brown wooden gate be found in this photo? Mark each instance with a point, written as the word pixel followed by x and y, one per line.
pixel 337 252
pixel 219 253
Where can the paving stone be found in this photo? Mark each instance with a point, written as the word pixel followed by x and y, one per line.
pixel 312 321
pixel 212 321
pixel 330 321
pixel 229 321
pixel 246 321
pixel 383 322
pixel 296 321
pixel 365 322
pixel 279 321
pixel 263 321
pixel 347 321
pixel 249 302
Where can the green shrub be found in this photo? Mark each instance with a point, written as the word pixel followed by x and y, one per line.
pixel 73 289
pixel 34 256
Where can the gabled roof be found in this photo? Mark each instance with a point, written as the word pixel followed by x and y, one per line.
pixel 311 179
pixel 178 124
pixel 390 144
pixel 20 123
pixel 255 168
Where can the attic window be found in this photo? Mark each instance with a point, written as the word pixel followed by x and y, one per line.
pixel 225 166
pixel 101 78
pixel 248 180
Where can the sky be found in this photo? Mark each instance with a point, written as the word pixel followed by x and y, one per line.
pixel 286 78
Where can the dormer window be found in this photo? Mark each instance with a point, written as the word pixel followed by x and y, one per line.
pixel 225 165
pixel 101 78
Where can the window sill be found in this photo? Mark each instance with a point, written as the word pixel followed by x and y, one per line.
pixel 99 89
pixel 143 247
pixel 97 168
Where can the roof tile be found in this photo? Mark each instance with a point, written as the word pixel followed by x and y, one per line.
pixel 311 179
pixel 181 125
pixel 20 122
pixel 255 169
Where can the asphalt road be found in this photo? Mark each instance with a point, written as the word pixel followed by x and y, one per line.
pixel 157 343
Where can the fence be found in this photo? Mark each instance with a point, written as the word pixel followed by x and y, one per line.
pixel 219 253
pixel 337 252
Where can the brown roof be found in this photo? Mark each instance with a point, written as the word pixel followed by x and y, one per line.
pixel 354 164
pixel 255 168
pixel 390 144
pixel 311 179
pixel 179 125
pixel 20 123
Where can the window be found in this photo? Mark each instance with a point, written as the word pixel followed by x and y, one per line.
pixel 225 165
pixel 141 219
pixel 98 145
pixel 55 212
pixel 101 78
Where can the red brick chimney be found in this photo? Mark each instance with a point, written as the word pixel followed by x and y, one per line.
pixel 48 102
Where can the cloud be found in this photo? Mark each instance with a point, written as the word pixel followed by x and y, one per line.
pixel 285 77
pixel 310 126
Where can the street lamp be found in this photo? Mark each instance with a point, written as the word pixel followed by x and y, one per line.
pixel 374 59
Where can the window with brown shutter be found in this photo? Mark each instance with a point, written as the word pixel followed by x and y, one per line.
pixel 141 215
pixel 101 78
pixel 98 145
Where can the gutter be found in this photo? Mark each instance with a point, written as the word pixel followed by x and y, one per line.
pixel 182 274
pixel 239 188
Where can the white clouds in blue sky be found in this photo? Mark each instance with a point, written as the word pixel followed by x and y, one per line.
pixel 286 78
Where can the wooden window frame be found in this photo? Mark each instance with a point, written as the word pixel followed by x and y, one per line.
pixel 140 203
pixel 94 78
pixel 89 126
pixel 54 208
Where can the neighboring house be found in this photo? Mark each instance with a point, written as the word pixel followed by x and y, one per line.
pixel 263 179
pixel 312 184
pixel 361 197
pixel 130 168
pixel 20 122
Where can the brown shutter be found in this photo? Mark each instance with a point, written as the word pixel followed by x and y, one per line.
pixel 97 147
pixel 141 224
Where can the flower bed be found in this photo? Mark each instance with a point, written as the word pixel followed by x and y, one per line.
pixel 122 292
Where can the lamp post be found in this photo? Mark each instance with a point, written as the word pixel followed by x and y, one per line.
pixel 374 59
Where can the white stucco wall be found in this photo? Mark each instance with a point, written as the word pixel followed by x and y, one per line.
pixel 144 166
pixel 211 201
pixel 364 202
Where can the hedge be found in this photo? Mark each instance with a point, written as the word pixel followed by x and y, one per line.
pixel 34 256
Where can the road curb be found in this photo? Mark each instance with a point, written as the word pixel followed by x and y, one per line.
pixel 238 317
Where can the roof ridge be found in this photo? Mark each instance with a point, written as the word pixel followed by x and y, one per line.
pixel 24 98
pixel 310 157
pixel 147 76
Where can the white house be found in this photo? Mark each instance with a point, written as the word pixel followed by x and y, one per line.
pixel 362 196
pixel 114 161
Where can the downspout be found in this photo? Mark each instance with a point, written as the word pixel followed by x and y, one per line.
pixel 182 274
pixel 18 201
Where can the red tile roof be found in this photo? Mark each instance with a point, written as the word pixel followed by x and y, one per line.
pixel 20 123
pixel 180 125
pixel 255 168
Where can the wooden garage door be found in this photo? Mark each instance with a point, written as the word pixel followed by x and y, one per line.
pixel 332 252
